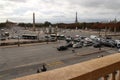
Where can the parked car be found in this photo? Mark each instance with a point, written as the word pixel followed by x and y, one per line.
pixel 117 42
pixel 70 44
pixel 88 39
pixel 77 45
pixel 97 45
pixel 76 40
pixel 49 38
pixel 93 37
pixel 68 39
pixel 52 39
pixel 61 37
pixel 61 48
pixel 87 43
pixel 109 43
pixel 108 37
pixel 82 37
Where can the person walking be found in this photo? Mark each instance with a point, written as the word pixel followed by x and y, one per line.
pixel 38 71
pixel 43 69
pixel 73 50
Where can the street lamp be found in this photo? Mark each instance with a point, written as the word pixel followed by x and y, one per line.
pixel 56 31
pixel 18 40
pixel 38 34
pixel 100 38
pixel 50 29
pixel 18 37
pixel 47 37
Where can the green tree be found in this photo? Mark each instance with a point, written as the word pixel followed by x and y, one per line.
pixel 47 23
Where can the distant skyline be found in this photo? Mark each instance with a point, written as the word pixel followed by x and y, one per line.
pixel 58 11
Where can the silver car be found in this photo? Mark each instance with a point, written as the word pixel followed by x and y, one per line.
pixel 77 45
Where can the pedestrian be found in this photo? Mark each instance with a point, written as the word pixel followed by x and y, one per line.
pixel 38 71
pixel 73 50
pixel 101 55
pixel 43 68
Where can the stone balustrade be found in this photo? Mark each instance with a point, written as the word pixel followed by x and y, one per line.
pixel 104 68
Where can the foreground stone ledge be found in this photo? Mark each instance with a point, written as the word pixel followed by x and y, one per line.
pixel 88 70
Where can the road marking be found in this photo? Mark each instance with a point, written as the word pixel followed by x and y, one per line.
pixel 55 63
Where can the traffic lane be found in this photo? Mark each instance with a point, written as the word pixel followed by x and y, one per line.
pixel 36 58
pixel 18 72
pixel 24 55
pixel 38 53
pixel 25 50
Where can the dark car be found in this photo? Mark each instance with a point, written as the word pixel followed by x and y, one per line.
pixel 61 48
pixel 108 37
pixel 61 37
pixel 109 43
pixel 97 45
pixel 68 39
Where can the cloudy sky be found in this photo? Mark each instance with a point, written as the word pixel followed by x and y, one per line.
pixel 59 10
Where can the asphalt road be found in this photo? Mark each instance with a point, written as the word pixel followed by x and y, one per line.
pixel 24 60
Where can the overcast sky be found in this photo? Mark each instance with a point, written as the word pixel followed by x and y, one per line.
pixel 59 10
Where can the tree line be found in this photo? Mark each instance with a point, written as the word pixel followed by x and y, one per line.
pixel 97 25
pixel 45 24
pixel 84 25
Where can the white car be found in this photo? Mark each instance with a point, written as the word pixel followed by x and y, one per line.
pixel 77 36
pixel 117 43
pixel 93 37
pixel 88 39
pixel 118 50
